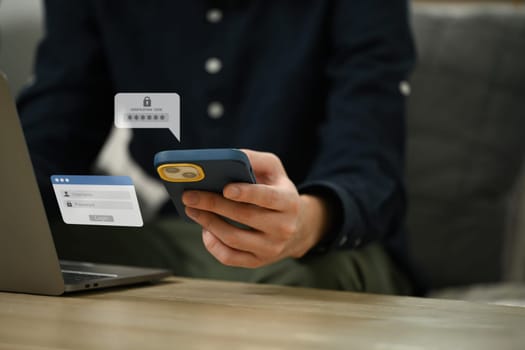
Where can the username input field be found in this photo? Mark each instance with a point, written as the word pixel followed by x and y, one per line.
pixel 83 194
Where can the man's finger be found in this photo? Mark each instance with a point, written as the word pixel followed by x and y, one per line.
pixel 227 255
pixel 234 237
pixel 267 167
pixel 265 196
pixel 250 214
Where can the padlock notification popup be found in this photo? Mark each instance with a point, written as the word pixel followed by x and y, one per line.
pixel 148 111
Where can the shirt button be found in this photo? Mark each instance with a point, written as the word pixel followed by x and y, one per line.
pixel 213 65
pixel 404 88
pixel 357 242
pixel 215 110
pixel 214 15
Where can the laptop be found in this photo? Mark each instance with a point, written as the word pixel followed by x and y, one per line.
pixel 28 257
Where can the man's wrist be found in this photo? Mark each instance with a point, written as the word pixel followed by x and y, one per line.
pixel 315 221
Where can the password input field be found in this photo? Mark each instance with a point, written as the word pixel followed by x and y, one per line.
pixel 88 204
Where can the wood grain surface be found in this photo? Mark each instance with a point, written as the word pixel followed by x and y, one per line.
pixel 196 314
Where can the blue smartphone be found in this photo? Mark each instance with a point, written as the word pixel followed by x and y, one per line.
pixel 201 169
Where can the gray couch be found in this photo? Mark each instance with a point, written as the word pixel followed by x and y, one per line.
pixel 466 142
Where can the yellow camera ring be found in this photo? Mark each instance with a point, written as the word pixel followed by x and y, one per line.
pixel 163 169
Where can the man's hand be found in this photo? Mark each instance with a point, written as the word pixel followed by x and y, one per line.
pixel 285 223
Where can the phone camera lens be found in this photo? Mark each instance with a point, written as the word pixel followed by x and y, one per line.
pixel 172 170
pixel 189 175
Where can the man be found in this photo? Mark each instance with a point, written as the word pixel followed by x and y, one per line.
pixel 310 90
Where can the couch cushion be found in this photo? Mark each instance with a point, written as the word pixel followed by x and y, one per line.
pixel 466 140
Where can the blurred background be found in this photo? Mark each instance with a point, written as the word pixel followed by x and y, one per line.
pixel 466 141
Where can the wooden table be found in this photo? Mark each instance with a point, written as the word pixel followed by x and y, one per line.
pixel 195 314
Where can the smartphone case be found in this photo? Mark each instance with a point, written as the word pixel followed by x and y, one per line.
pixel 220 166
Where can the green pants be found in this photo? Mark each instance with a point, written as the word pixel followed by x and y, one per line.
pixel 177 245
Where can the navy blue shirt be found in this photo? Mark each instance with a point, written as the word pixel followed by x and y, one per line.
pixel 314 81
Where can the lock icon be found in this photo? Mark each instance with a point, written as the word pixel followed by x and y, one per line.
pixel 147 102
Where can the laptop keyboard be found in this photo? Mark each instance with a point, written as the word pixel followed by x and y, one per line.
pixel 72 277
